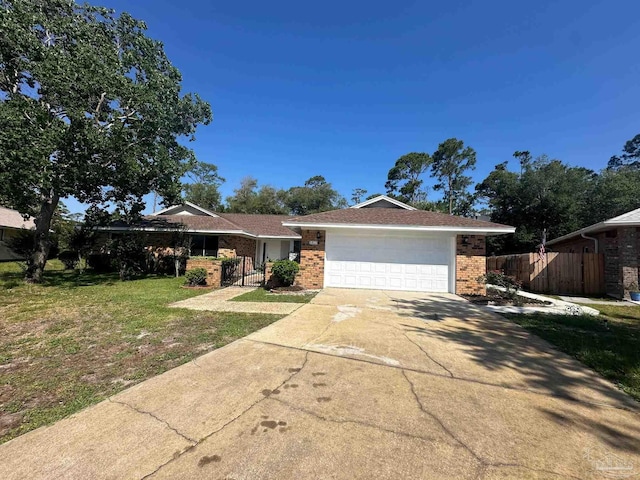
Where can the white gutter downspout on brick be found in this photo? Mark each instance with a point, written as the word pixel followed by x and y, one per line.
pixel 595 241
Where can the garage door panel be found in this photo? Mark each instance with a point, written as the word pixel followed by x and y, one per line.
pixel 388 262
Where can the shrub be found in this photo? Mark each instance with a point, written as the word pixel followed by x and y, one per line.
pixel 510 284
pixel 285 271
pixel 196 277
pixel 100 263
pixel 69 259
pixel 130 255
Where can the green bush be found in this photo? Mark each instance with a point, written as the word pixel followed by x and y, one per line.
pixel 196 277
pixel 498 278
pixel 285 271
pixel 69 259
pixel 101 263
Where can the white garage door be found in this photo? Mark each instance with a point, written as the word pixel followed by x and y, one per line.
pixel 388 261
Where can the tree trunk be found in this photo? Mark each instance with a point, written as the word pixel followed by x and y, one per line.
pixel 42 239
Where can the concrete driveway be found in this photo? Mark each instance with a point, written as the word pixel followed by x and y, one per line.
pixel 357 384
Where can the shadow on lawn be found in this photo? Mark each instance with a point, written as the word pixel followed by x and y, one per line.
pixel 498 344
pixel 65 279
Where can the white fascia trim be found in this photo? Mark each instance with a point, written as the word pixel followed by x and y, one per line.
pixel 154 229
pixel 284 237
pixel 192 205
pixel 595 228
pixel 384 197
pixel 592 228
pixel 415 228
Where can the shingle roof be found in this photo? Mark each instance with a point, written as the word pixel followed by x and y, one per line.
pixel 254 225
pixel 191 222
pixel 262 225
pixel 13 219
pixel 395 217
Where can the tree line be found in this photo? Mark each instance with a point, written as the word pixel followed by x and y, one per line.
pixel 542 197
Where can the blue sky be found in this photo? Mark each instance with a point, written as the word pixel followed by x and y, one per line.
pixel 342 89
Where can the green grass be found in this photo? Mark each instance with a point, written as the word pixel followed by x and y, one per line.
pixel 614 352
pixel 262 295
pixel 77 339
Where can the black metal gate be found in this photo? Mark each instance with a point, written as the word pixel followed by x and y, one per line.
pixel 242 272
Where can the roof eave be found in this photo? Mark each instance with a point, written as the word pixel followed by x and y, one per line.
pixel 416 228
pixel 598 227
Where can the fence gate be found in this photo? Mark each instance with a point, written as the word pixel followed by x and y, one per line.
pixel 242 272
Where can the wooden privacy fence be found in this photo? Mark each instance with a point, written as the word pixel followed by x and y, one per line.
pixel 555 273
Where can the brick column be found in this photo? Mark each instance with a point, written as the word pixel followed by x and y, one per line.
pixel 311 274
pixel 471 263
pixel 628 253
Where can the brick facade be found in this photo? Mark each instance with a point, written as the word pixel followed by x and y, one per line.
pixel 213 268
pixel 311 274
pixel 232 246
pixel 628 239
pixel 471 264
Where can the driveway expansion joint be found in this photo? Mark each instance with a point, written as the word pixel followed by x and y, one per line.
pixel 155 417
pixel 211 434
pixel 632 410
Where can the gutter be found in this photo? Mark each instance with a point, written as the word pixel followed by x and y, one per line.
pixel 595 241
pixel 416 228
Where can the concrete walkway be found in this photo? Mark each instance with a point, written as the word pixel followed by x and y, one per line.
pixel 356 384
pixel 585 300
pixel 219 301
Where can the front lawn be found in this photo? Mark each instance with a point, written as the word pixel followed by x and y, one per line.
pixel 262 295
pixel 77 339
pixel 612 352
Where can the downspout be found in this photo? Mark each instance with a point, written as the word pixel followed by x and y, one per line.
pixel 595 241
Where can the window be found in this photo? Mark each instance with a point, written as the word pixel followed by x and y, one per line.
pixel 204 246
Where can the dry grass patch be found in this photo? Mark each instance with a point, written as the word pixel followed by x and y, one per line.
pixel 78 339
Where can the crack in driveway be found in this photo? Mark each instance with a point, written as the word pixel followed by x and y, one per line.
pixel 483 463
pixel 209 435
pixel 457 378
pixel 155 417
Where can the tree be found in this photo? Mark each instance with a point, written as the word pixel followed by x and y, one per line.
pixel 204 187
pixel 403 180
pixel 548 196
pixel 450 162
pixel 249 199
pixel 317 195
pixel 615 191
pixel 100 105
pixel 357 194
pixel 630 156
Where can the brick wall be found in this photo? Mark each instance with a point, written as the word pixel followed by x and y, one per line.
pixel 471 263
pixel 213 268
pixel 232 246
pixel 628 240
pixel 311 274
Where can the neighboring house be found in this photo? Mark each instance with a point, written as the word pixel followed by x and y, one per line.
pixel 618 239
pixel 379 244
pixel 11 222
